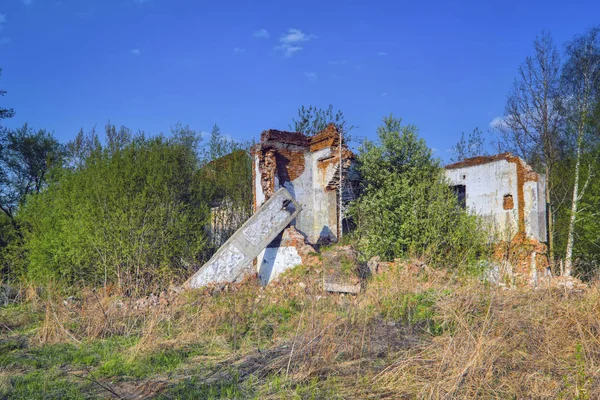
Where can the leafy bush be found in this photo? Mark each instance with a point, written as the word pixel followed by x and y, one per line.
pixel 127 213
pixel 406 207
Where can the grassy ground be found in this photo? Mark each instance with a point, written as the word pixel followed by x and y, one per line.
pixel 410 334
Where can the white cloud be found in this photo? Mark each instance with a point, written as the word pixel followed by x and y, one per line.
pixel 296 36
pixel 135 52
pixel 311 76
pixel 382 53
pixel 27 2
pixel 498 123
pixel 383 94
pixel 290 42
pixel 261 33
pixel 238 50
pixel 338 62
pixel 288 50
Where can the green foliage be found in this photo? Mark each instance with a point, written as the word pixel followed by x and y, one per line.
pixel 406 207
pixel 26 157
pixel 313 120
pixel 195 388
pixel 44 385
pixel 224 181
pixel 586 250
pixel 127 213
pixel 413 309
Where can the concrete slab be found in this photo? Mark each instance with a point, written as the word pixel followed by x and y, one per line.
pixel 235 257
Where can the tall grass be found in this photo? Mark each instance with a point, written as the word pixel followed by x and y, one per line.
pixel 413 332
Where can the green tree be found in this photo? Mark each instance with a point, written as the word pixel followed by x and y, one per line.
pixel 406 207
pixel 313 120
pixel 532 125
pixel 225 181
pixel 128 214
pixel 26 157
pixel 581 85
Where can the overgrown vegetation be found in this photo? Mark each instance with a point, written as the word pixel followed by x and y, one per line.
pixel 406 207
pixel 551 120
pixel 133 212
pixel 130 214
pixel 415 332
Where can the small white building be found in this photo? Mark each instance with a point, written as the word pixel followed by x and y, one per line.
pixel 504 190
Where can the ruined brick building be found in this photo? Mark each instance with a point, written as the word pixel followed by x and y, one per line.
pixel 505 191
pixel 296 201
pixel 511 197
pixel 309 168
pixel 296 181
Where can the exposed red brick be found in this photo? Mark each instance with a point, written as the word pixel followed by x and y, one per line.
pixel 290 164
pixel 519 252
pixel 329 137
pixel 293 238
pixel 479 160
pixel 273 136
pixel 267 165
pixel 508 202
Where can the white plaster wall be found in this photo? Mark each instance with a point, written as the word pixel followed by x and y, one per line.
pixel 535 209
pixel 486 186
pixel 531 205
pixel 316 219
pixel 258 193
pixel 323 225
pixel 276 260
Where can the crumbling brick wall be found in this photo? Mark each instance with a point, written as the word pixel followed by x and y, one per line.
pixel 309 167
pixel 511 195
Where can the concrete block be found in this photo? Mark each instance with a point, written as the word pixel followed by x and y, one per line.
pixel 235 257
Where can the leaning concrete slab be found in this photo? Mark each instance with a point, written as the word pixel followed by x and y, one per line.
pixel 236 255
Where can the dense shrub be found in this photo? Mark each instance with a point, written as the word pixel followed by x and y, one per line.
pixel 406 206
pixel 127 213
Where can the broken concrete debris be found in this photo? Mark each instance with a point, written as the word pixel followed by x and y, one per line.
pixel 341 270
pixel 304 170
pixel 287 250
pixel 230 262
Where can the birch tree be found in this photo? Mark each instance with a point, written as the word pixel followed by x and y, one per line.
pixel 532 121
pixel 581 84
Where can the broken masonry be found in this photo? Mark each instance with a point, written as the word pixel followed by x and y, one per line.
pixel 296 181
pixel 511 197
pixel 296 202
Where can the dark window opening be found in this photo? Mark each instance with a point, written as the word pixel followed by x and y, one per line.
pixel 461 194
pixel 508 202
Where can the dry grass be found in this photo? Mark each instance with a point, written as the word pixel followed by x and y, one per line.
pixel 409 334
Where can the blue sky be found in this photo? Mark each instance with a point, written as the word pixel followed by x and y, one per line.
pixel 443 66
